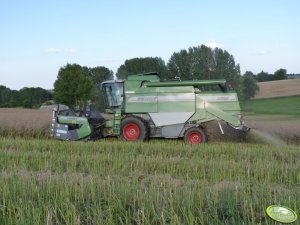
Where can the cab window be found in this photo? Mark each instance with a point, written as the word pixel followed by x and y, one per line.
pixel 114 94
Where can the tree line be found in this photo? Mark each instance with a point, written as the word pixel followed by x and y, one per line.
pixel 280 74
pixel 26 97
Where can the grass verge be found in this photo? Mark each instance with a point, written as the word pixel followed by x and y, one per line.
pixel 280 106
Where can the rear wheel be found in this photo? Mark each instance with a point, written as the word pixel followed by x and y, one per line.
pixel 194 135
pixel 133 129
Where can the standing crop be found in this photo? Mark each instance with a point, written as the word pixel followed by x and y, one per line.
pixel 162 182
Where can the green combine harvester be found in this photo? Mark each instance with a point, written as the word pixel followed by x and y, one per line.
pixel 144 107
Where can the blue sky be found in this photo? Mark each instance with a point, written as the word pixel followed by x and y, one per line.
pixel 39 37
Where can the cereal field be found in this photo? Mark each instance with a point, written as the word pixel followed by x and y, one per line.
pixel 160 182
pixel 278 88
pixel 17 122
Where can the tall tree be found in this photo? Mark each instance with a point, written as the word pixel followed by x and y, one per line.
pixel 249 85
pixel 280 74
pixel 73 87
pixel 225 67
pixel 194 63
pixel 203 62
pixel 179 65
pixel 142 65
pixel 100 74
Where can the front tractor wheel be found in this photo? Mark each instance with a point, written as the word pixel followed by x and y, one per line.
pixel 133 129
pixel 194 135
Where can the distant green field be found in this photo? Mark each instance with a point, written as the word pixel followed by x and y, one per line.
pixel 160 182
pixel 281 105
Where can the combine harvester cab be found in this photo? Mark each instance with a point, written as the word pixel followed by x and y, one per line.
pixel 144 107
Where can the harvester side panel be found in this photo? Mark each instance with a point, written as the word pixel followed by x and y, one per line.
pixel 143 99
pixel 170 118
pixel 200 113
pixel 141 103
pixel 176 102
pixel 231 119
pixel 213 105
pixel 225 101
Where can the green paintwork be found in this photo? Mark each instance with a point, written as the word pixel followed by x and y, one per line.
pixel 176 102
pixel 83 130
pixel 200 112
pixel 109 123
pixel 224 115
pixel 185 83
pixel 144 76
pixel 159 99
pixel 145 93
pixel 153 80
pixel 117 122
pixel 73 120
pixel 207 110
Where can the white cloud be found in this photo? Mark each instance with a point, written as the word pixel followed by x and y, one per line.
pixel 52 50
pixel 70 50
pixel 214 45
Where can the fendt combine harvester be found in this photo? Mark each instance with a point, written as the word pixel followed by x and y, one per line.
pixel 144 107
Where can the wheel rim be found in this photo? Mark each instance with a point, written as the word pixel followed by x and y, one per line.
pixel 131 131
pixel 194 138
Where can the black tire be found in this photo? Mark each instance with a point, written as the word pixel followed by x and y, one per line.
pixel 134 129
pixel 194 135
